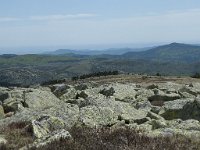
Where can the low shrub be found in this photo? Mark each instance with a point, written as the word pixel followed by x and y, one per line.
pixel 95 74
pixel 196 75
pixel 17 134
pixel 119 139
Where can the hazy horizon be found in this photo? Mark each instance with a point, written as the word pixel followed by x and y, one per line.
pixel 37 26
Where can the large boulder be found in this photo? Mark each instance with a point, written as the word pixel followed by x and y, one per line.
pixel 191 91
pixel 97 116
pixel 124 91
pixel 107 111
pixel 67 112
pixel 46 124
pixel 29 98
pixel 37 98
pixel 160 97
pixel 183 109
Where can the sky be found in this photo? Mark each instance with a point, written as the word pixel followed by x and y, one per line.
pixel 41 25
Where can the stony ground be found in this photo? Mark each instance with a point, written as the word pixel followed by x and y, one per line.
pixel 165 109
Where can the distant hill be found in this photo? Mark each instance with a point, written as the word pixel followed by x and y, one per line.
pixel 171 52
pixel 173 59
pixel 112 51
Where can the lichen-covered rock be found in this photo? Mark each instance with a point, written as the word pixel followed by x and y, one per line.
pixel 124 91
pixel 160 97
pixel 156 124
pixel 107 91
pixel 20 98
pixel 3 140
pixel 108 111
pixel 46 124
pixel 2 115
pixel 49 138
pixel 40 99
pixel 143 94
pixel 81 94
pixel 59 89
pixel 3 95
pixel 183 109
pixel 190 90
pixel 13 107
pixel 81 87
pixel 97 116
pixel 144 105
pixel 70 94
pixel 67 112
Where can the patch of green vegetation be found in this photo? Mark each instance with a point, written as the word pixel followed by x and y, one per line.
pixel 95 74
pixel 32 59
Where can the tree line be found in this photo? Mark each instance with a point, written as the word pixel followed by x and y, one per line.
pixel 95 74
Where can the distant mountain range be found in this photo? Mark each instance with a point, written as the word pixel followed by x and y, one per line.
pixel 171 52
pixel 172 59
pixel 112 51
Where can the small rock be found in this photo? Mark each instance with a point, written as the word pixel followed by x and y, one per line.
pixel 2 115
pixel 107 92
pixel 2 140
pixel 49 138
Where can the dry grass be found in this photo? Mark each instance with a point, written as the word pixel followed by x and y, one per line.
pixel 17 135
pixel 84 138
pixel 119 139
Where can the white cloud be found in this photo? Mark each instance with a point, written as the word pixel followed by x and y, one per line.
pixel 65 30
pixel 48 17
pixel 7 19
pixel 62 17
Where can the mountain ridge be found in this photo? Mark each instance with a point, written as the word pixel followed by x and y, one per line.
pixel 173 51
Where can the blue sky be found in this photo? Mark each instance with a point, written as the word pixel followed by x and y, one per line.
pixel 49 24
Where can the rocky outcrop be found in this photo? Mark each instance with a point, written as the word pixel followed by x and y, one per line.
pixel 163 109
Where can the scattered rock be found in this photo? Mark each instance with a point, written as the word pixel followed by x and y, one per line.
pixel 108 92
pixel 59 89
pixel 153 86
pixel 70 94
pixel 82 94
pixel 161 109
pixel 81 87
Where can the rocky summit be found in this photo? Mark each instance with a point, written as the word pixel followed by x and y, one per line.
pixel 154 107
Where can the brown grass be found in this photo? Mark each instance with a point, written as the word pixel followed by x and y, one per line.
pixel 84 138
pixel 17 135
pixel 119 139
